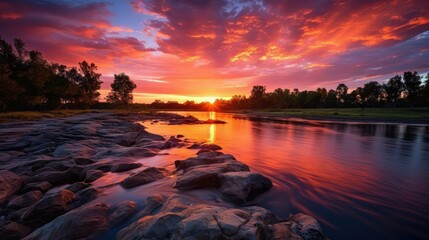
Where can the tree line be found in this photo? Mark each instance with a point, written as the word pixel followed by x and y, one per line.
pixel 399 91
pixel 29 82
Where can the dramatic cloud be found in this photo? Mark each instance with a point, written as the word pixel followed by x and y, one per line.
pixel 223 47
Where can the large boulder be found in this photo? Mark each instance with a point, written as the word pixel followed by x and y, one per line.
pixel 207 175
pixel 49 207
pixel 146 176
pixel 241 187
pixel 203 159
pixel 14 230
pixel 93 174
pixel 25 200
pixel 39 186
pixel 182 218
pixel 10 183
pixel 122 167
pixel 86 222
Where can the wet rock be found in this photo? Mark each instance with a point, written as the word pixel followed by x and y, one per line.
pixel 146 176
pixel 10 183
pixel 201 160
pixel 153 203
pixel 73 149
pixel 180 136
pixel 213 147
pixel 76 187
pixel 182 218
pixel 241 187
pixel 49 207
pixel 122 211
pixel 14 230
pixel 195 146
pixel 39 186
pixel 52 176
pixel 81 223
pixel 84 196
pixel 83 161
pixel 207 175
pixel 25 200
pixel 122 167
pixel 306 226
pixel 92 175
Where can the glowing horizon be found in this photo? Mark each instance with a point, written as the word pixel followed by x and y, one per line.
pixel 202 50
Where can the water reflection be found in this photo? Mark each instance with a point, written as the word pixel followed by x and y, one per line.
pixel 361 181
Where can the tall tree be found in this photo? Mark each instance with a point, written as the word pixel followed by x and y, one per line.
pixel 257 95
pixel 89 83
pixel 371 92
pixel 412 83
pixel 122 88
pixel 394 88
pixel 341 93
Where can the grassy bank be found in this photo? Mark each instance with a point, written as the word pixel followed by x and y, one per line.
pixel 36 115
pixel 355 112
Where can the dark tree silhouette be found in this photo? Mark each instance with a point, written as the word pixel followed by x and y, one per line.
pixel 89 83
pixel 341 93
pixel 412 83
pixel 257 95
pixel 394 88
pixel 122 88
pixel 372 91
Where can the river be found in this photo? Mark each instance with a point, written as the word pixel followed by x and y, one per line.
pixel 361 181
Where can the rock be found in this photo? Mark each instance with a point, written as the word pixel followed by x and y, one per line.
pixel 241 187
pixel 180 136
pixel 83 161
pixel 190 162
pixel 10 183
pixel 146 176
pixel 25 200
pixel 76 187
pixel 92 175
pixel 49 207
pixel 213 147
pixel 84 196
pixel 81 223
pixel 122 211
pixel 122 167
pixel 39 186
pixel 195 146
pixel 306 226
pixel 14 230
pixel 207 175
pixel 54 177
pixel 182 218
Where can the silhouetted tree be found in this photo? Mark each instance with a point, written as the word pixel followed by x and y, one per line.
pixel 341 93
pixel 89 83
pixel 394 88
pixel 257 96
pixel 122 89
pixel 371 92
pixel 412 83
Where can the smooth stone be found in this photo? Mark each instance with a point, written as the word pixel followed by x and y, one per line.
pixel 143 177
pixel 92 175
pixel 76 187
pixel 211 146
pixel 196 161
pixel 207 175
pixel 241 187
pixel 122 167
pixel 39 186
pixel 49 207
pixel 122 211
pixel 10 183
pixel 14 231
pixel 83 161
pixel 25 200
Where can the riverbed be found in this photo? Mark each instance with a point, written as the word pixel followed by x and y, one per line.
pixel 360 180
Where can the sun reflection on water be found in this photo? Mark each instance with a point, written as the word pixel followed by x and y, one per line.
pixel 212 133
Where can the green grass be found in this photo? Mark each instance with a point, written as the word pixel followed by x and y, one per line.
pixel 385 113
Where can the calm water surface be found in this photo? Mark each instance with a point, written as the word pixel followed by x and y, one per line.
pixel 361 181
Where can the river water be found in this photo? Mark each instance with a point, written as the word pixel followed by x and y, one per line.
pixel 361 181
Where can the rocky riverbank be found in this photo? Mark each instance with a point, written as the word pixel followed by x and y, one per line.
pixel 48 169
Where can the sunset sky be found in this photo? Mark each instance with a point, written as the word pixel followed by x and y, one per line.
pixel 194 49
